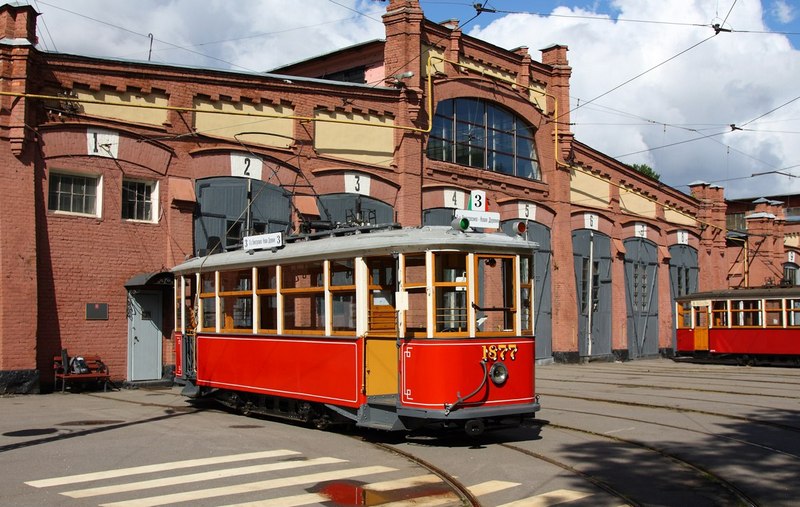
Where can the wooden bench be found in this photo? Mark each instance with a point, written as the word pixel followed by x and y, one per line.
pixel 97 371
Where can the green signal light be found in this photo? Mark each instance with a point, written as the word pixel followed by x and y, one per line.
pixel 460 224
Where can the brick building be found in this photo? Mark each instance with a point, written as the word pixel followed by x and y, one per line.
pixel 115 171
pixel 763 241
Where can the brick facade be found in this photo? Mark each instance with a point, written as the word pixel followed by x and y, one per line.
pixel 55 263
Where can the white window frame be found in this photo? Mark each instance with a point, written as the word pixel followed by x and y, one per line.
pixel 98 194
pixel 154 200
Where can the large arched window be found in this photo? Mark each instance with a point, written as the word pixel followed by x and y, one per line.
pixel 480 134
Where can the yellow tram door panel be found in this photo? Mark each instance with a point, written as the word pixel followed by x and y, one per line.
pixel 381 365
pixel 701 329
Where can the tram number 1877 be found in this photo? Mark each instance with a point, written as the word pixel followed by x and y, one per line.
pixel 492 352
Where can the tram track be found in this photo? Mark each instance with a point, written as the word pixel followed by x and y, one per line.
pixel 684 429
pixel 742 497
pixel 746 419
pixel 596 481
pixel 671 388
pixel 699 374
pixel 465 496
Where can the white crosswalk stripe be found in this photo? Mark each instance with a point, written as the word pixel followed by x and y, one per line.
pixel 250 487
pixel 160 467
pixel 201 477
pixel 397 492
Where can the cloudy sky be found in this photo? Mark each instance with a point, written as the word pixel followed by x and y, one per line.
pixel 653 82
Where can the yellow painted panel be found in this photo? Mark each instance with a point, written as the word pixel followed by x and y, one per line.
pixel 586 190
pixel 538 97
pixel 437 65
pixel 263 123
pixel 485 70
pixel 675 217
pixel 367 139
pixel 636 204
pixel 119 105
pixel 792 240
pixel 381 366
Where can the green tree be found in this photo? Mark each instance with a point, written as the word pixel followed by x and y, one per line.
pixel 646 170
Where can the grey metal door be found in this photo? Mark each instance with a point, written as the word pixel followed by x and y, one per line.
pixel 641 288
pixel 542 292
pixel 592 255
pixel 683 275
pixel 144 335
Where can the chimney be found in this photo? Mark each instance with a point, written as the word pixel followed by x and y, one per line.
pixel 18 22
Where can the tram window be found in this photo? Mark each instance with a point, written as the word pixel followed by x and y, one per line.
pixel 793 312
pixel 381 288
pixel 188 302
pixel 450 289
pixel 414 283
pixel 343 289
pixel 701 316
pixel 526 290
pixel 495 294
pixel 719 312
pixel 303 299
pixel 746 313
pixel 415 271
pixel 236 300
pixel 773 311
pixel 685 315
pixel 208 306
pixel 267 299
pixel 416 315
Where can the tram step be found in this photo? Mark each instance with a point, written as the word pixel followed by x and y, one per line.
pixel 380 412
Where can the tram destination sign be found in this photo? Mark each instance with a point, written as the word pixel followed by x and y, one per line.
pixel 263 241
pixel 483 219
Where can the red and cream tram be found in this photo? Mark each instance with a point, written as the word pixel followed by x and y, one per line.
pixel 749 325
pixel 393 329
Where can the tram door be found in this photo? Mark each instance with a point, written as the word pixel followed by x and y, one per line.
pixel 701 328
pixel 381 339
pixel 144 335
pixel 641 287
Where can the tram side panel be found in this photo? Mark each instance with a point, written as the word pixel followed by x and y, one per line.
pixel 755 341
pixel 307 368
pixel 435 373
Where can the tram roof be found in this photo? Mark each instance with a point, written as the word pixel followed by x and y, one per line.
pixel 744 293
pixel 410 239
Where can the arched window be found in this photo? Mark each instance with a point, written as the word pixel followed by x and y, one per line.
pixel 476 133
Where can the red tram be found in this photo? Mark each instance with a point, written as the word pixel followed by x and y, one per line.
pixel 393 329
pixel 748 325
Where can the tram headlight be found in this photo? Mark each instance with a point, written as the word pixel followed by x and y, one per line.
pixel 498 373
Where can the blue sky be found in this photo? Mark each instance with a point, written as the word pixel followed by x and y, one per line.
pixel 652 81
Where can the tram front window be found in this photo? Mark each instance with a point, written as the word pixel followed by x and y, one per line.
pixel 495 301
pixel 343 288
pixel 450 286
pixel 382 317
pixel 236 300
pixel 415 285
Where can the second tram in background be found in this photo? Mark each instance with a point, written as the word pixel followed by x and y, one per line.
pixel 384 328
pixel 746 325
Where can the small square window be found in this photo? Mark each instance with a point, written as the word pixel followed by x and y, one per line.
pixel 138 200
pixel 73 194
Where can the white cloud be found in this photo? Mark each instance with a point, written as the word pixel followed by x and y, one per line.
pixel 783 12
pixel 730 79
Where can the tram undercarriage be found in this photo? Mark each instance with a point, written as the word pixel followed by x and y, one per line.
pixel 380 412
